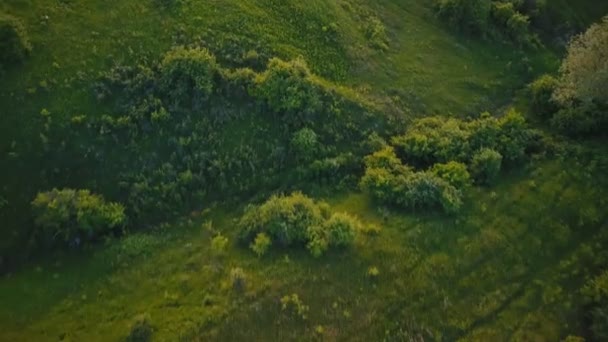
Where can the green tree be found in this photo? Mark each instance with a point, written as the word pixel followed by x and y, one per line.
pixel 486 165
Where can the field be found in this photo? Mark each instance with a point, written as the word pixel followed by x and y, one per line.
pixel 510 266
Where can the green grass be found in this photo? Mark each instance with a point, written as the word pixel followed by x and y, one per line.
pixel 509 267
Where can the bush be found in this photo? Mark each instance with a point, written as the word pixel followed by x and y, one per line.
pixel 433 140
pixel 187 75
pixel 425 190
pixel 261 244
pixel 14 41
pixel 455 173
pixel 75 215
pixel 296 220
pixel 375 33
pixel 470 16
pixel 486 165
pixel 286 88
pixel 541 92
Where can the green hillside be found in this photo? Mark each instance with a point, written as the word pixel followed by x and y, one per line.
pixel 298 170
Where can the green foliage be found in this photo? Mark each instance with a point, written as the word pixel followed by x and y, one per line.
pixel 287 89
pixel 470 16
pixel 375 33
pixel 596 292
pixel 141 329
pixel 261 244
pixel 14 41
pixel 305 144
pixel 297 220
pixel 541 92
pixel 389 181
pixel 75 215
pixel 485 166
pixel 219 243
pixel 455 173
pixel 188 74
pixel 582 119
pixel 440 140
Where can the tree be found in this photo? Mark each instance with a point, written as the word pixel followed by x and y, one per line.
pixel 584 71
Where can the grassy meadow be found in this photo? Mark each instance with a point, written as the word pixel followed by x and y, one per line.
pixel 511 265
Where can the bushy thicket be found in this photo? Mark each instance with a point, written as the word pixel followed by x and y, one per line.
pixel 389 181
pixel 75 216
pixel 298 220
pixel 506 18
pixel 440 140
pixel 541 93
pixel 14 42
pixel 596 293
pixel 188 130
pixel 435 160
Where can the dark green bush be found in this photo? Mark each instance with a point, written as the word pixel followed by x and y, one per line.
pixel 298 220
pixel 75 215
pixel 541 92
pixel 425 190
pixel 470 16
pixel 141 329
pixel 188 75
pixel 486 165
pixel 580 119
pixel 14 41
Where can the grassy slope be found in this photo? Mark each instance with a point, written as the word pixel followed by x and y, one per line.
pixel 427 68
pixel 492 275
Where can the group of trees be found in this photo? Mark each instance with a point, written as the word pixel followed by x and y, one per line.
pixel 297 220
pixel 506 18
pixel 576 101
pixel 443 156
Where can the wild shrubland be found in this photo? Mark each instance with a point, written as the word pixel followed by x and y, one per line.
pixel 296 220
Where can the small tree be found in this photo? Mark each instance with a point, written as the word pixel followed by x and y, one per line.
pixel 14 42
pixel 541 92
pixel 305 144
pixel 485 166
pixel 470 16
pixel 454 173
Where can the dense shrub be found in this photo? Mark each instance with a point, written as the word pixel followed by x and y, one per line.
pixel 470 16
pixel 433 140
pixel 286 88
pixel 440 140
pixel 455 173
pixel 485 166
pixel 75 215
pixel 581 119
pixel 187 75
pixel 297 220
pixel 541 92
pixel 141 329
pixel 14 41
pixel 596 293
pixel 393 183
pixel 375 33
